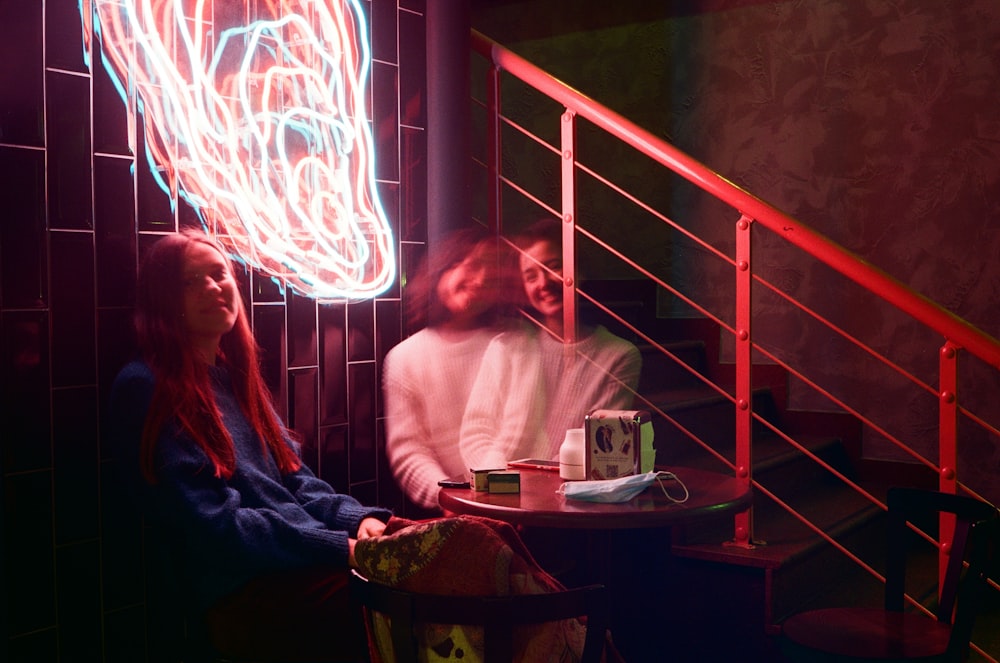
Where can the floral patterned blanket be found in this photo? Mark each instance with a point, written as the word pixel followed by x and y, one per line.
pixel 466 556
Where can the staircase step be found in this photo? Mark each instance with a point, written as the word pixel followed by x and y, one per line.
pixel 779 545
pixel 661 372
pixel 704 414
pixel 798 565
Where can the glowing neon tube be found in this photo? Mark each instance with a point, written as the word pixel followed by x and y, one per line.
pixel 261 125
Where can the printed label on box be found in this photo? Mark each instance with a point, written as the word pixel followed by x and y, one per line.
pixel 614 440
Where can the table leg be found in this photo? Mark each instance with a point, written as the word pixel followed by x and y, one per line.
pixel 632 564
pixel 635 571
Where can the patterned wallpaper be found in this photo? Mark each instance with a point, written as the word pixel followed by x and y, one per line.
pixel 874 122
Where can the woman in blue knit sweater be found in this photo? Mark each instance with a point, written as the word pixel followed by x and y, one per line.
pixel 265 544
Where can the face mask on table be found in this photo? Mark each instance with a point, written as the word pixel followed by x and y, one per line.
pixel 622 489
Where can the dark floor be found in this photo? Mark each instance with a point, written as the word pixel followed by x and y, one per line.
pixel 687 611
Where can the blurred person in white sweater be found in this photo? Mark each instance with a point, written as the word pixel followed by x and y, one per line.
pixel 455 299
pixel 532 386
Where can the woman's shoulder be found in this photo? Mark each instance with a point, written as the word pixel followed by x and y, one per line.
pixel 518 334
pixel 134 373
pixel 136 369
pixel 132 389
pixel 409 348
pixel 430 343
pixel 134 378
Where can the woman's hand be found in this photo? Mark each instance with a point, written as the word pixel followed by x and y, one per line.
pixel 369 528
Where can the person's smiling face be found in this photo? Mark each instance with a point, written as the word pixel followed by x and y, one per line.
pixel 468 289
pixel 211 300
pixel 543 288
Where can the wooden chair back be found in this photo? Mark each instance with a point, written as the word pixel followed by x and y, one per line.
pixel 497 615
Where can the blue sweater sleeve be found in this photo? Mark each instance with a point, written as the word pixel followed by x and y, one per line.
pixel 319 499
pixel 247 529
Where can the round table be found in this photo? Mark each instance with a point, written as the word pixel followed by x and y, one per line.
pixel 539 505
pixel 625 546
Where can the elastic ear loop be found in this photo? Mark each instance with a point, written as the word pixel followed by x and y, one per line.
pixel 661 475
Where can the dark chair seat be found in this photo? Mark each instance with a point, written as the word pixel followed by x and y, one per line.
pixel 870 633
pixel 897 632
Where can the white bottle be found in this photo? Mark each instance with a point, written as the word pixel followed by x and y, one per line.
pixel 571 456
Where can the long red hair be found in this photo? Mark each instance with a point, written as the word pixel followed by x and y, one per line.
pixel 183 389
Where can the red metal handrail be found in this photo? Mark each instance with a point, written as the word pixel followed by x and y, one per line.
pixel 950 326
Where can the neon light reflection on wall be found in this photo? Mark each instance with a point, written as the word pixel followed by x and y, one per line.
pixel 259 122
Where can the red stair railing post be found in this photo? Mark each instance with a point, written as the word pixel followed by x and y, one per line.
pixel 493 158
pixel 744 388
pixel 947 444
pixel 568 161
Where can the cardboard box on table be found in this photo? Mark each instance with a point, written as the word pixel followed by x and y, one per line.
pixel 618 443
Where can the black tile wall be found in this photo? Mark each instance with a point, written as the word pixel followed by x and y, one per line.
pixel 383 24
pixel 270 331
pixel 265 289
pixel 410 255
pixel 387 334
pixel 302 346
pixel 154 208
pixel 412 70
pixel 114 206
pixel 361 331
pixel 29 552
pixel 413 202
pixel 110 112
pixel 67 128
pixel 389 493
pixel 75 464
pixel 79 589
pixel 333 457
pixel 23 255
pixel 73 309
pixel 242 274
pixel 366 493
pixel 124 635
pixel 121 543
pixel 21 121
pixel 385 101
pixel 362 396
pixel 333 355
pixel 81 207
pixel 24 391
pixel 63 43
pixel 303 386
pixel 389 194
pixel 39 646
pixel 418 6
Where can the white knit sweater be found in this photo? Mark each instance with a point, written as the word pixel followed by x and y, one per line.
pixel 426 383
pixel 531 388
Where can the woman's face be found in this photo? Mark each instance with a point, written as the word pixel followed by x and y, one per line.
pixel 468 289
pixel 543 289
pixel 211 300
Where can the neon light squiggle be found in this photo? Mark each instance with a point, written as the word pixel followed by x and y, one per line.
pixel 262 128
